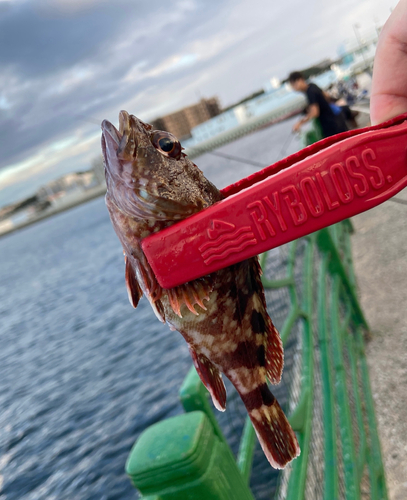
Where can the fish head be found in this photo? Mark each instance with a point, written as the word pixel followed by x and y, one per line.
pixel 147 174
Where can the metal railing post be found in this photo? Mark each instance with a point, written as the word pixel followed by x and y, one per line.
pixel 182 458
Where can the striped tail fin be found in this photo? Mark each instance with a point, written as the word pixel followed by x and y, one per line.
pixel 275 434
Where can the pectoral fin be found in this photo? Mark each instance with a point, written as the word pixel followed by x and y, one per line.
pixel 140 278
pixel 211 379
pixel 133 289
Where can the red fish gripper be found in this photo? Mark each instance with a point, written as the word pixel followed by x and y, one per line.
pixel 322 184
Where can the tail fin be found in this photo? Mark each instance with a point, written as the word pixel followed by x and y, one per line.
pixel 275 434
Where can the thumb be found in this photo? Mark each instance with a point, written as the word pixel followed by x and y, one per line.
pixel 389 89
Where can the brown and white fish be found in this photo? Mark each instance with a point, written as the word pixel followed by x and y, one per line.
pixel 151 184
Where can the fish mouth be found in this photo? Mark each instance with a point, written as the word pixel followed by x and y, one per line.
pixel 110 141
pixel 120 143
pixel 119 149
pixel 111 130
pixel 118 146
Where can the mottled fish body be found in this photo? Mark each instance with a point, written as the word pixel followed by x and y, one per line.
pixel 151 184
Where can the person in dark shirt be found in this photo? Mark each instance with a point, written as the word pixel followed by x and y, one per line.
pixel 318 107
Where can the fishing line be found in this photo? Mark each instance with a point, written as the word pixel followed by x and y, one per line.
pixel 398 200
pixel 236 158
pixel 233 424
pixel 285 146
pixel 89 119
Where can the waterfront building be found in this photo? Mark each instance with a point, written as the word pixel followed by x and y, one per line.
pixel 68 183
pixel 182 121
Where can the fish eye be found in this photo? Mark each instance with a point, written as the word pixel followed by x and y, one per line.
pixel 167 144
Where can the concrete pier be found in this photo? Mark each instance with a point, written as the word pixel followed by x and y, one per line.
pixel 380 257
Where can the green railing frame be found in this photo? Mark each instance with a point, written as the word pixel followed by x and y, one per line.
pixel 335 284
pixel 347 405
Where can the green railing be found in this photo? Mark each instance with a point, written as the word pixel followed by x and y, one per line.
pixel 329 400
pixel 311 294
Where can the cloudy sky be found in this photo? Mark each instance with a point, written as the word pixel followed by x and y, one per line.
pixel 67 64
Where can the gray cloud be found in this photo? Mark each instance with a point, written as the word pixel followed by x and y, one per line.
pixel 36 40
pixel 57 67
pixel 65 64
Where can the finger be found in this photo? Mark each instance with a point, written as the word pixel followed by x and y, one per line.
pixel 389 84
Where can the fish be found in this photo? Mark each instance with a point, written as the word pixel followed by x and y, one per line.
pixel 151 185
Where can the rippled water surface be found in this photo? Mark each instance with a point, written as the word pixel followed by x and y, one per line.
pixel 81 372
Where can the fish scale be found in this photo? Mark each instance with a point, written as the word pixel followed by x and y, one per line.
pixel 222 316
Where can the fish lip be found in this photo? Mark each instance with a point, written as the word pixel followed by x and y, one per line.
pixel 122 142
pixel 124 122
pixel 108 128
pixel 110 143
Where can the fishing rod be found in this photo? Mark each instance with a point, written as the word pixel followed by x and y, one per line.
pixel 251 162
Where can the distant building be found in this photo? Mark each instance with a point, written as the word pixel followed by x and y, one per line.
pixel 57 195
pixel 68 183
pixel 357 54
pixel 181 122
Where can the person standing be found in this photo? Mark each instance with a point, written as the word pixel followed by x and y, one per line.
pixel 318 107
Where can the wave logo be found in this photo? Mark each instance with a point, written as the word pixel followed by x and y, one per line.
pixel 225 240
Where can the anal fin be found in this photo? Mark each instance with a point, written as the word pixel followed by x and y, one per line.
pixel 211 379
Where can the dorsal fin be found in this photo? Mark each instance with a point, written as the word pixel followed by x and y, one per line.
pixel 261 324
pixel 190 294
pixel 274 355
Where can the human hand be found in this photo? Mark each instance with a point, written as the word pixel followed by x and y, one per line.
pixel 297 127
pixel 389 84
